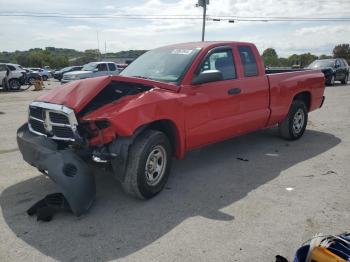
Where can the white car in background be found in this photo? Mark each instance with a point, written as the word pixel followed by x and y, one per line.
pixel 17 75
pixel 93 69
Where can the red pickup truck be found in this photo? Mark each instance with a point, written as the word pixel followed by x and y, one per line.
pixel 169 101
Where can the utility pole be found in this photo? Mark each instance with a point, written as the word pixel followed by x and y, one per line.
pixel 105 49
pixel 98 47
pixel 203 3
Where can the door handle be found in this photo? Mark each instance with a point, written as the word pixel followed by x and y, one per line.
pixel 234 91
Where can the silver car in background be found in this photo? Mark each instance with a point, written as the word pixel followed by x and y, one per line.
pixel 93 69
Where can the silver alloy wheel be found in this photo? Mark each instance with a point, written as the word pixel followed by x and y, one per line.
pixel 298 121
pixel 156 165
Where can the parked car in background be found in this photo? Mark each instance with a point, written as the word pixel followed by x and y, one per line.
pixel 31 76
pixel 44 73
pixel 333 69
pixel 121 67
pixel 16 76
pixel 59 73
pixel 92 69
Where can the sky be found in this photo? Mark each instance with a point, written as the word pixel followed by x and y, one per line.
pixel 22 33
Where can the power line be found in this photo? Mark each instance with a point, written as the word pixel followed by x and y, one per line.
pixel 174 17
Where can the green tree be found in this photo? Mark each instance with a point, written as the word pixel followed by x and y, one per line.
pixel 325 57
pixel 306 59
pixel 294 60
pixel 342 51
pixel 270 57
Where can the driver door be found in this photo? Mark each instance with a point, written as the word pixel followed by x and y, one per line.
pixel 102 70
pixel 211 105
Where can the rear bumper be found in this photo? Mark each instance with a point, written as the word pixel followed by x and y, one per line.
pixel 71 174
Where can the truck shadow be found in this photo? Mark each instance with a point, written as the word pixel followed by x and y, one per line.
pixel 206 181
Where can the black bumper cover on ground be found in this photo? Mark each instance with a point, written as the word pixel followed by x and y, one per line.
pixel 71 174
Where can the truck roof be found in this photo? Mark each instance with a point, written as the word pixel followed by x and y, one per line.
pixel 205 44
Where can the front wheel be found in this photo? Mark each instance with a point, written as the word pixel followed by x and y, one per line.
pixel 148 165
pixel 14 84
pixel 294 125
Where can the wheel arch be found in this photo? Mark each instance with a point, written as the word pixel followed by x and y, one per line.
pixel 304 96
pixel 170 129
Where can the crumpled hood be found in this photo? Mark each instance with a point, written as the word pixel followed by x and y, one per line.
pixel 77 94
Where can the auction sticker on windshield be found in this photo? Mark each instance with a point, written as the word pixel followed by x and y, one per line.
pixel 182 51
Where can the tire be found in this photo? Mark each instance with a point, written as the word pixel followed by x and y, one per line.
pixel 31 80
pixel 141 181
pixel 345 80
pixel 44 78
pixel 331 80
pixel 294 125
pixel 14 84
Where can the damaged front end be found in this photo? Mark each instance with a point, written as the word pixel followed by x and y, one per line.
pixel 71 174
pixel 57 145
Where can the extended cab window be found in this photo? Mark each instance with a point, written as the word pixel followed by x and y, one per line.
pixel 223 61
pixel 248 61
pixel 2 68
pixel 112 67
pixel 102 67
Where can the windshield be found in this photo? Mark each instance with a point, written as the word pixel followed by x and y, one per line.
pixel 163 64
pixel 66 69
pixel 321 64
pixel 89 67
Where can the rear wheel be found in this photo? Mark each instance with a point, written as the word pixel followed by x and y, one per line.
pixel 294 125
pixel 345 80
pixel 14 84
pixel 148 165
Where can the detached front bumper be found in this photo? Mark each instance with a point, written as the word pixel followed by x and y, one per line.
pixel 71 174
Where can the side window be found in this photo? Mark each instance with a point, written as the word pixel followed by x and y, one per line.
pixel 345 63
pixel 102 67
pixel 2 68
pixel 112 67
pixel 223 61
pixel 12 68
pixel 248 61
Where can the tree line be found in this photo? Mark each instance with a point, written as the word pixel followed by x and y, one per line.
pixel 61 57
pixel 271 59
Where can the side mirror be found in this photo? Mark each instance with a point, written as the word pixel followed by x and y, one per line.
pixel 208 76
pixel 336 66
pixel 95 70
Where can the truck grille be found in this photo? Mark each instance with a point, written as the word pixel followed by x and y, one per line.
pixel 51 120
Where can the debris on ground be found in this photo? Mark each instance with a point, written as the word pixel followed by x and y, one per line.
pixel 48 206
